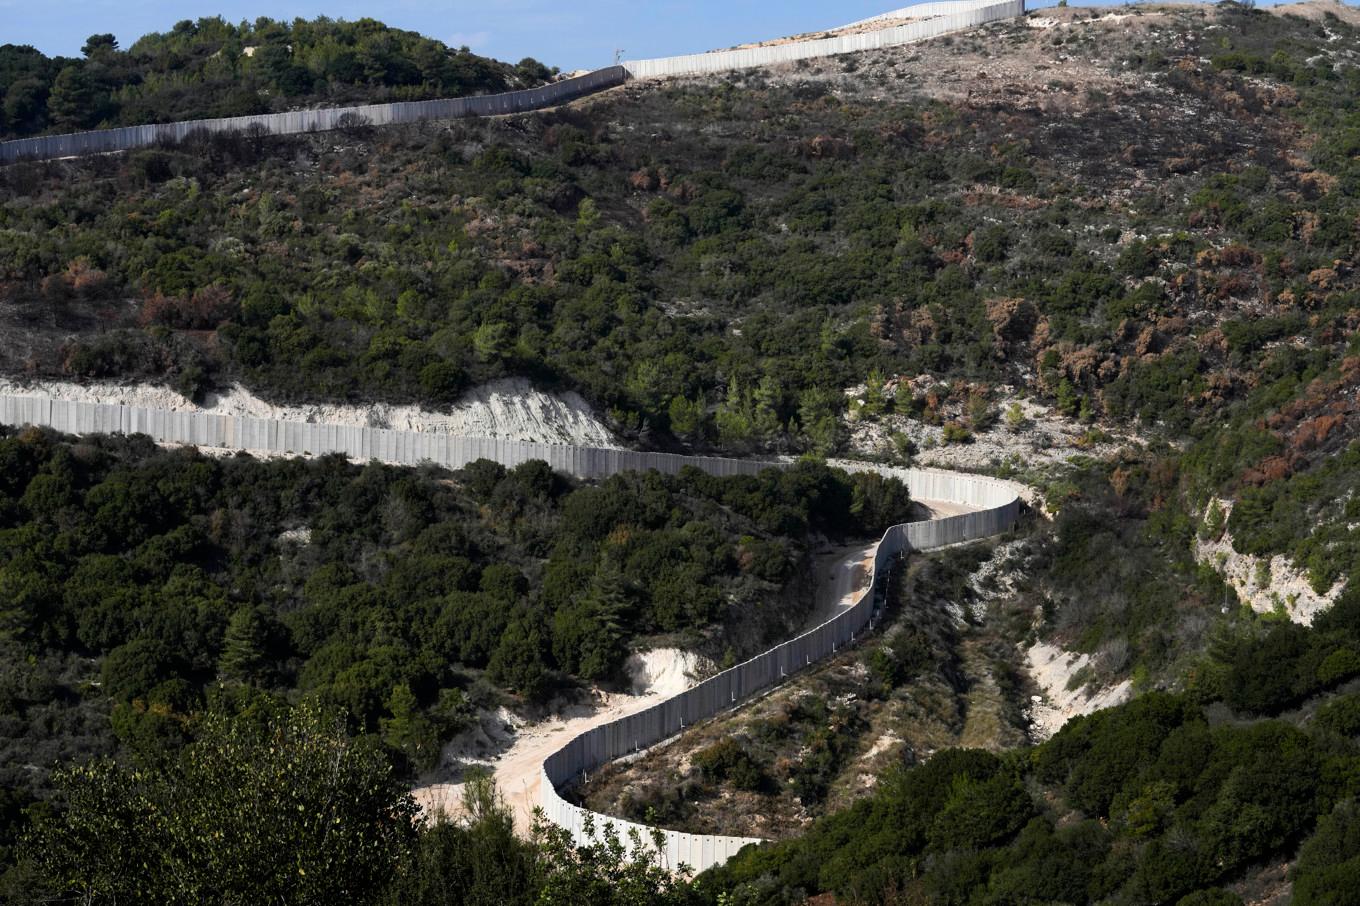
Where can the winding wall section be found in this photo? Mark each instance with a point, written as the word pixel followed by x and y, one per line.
pixel 997 506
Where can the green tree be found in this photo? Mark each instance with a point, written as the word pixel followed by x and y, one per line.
pixel 875 397
pixel 26 105
pixel 408 730
pixel 518 660
pixel 734 418
pixel 768 398
pixel 686 417
pixel 1067 398
pixel 606 609
pixel 288 810
pixel 99 45
pixel 245 649
pixel 76 101
pixel 493 340
pixel 475 861
pixel 1328 868
pixel 818 416
pixel 134 669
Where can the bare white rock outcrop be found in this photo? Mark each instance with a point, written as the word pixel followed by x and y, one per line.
pixel 1266 585
pixel 510 409
pixel 1053 670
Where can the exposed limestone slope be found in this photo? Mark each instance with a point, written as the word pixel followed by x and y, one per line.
pixel 509 408
pixel 1274 585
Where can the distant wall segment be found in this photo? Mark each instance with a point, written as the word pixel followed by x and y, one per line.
pixel 996 503
pixel 320 120
pixel 931 20
pixel 940 19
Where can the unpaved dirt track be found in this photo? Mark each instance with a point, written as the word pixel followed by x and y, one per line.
pixel 518 771
pixel 842 574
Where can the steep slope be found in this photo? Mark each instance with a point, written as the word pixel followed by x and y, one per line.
pixel 1143 217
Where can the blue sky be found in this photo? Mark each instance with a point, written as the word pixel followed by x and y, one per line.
pixel 572 34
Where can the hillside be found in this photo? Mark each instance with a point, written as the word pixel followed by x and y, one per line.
pixel 1142 220
pixel 1110 252
pixel 136 580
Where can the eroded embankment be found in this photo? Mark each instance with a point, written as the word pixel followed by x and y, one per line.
pixel 510 409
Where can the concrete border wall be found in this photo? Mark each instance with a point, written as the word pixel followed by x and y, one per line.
pixel 272 436
pixel 941 18
pixel 922 11
pixel 319 120
pixel 932 19
pixel 998 504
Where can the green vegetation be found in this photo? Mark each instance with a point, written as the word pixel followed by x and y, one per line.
pixel 705 266
pixel 729 762
pixel 136 581
pixel 711 263
pixel 211 68
pixel 279 805
pixel 286 806
pixel 1148 802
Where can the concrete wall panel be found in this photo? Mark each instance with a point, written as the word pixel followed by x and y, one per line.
pixel 943 18
pixel 298 121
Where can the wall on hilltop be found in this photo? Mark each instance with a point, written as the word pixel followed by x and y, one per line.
pixel 932 19
pixel 924 11
pixel 321 120
pixel 945 17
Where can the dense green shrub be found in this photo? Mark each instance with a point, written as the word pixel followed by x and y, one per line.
pixel 728 761
pixel 1181 806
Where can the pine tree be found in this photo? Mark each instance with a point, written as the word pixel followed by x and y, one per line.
pixel 768 397
pixel 244 650
pixel 734 417
pixel 75 101
pixel 408 730
pixel 608 607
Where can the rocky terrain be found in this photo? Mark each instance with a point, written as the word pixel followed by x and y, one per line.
pixel 509 408
pixel 938 674
pixel 974 429
pixel 1274 585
